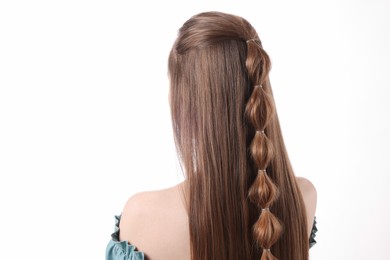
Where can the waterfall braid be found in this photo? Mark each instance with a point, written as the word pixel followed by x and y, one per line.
pixel 260 111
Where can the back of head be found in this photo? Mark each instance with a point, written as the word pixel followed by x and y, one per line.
pixel 243 200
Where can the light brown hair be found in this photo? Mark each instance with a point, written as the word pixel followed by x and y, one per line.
pixel 243 202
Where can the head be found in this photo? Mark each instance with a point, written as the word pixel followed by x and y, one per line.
pixel 242 189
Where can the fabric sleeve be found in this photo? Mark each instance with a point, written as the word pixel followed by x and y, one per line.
pixel 314 230
pixel 121 250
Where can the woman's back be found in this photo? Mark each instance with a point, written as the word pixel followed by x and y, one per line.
pixel 156 222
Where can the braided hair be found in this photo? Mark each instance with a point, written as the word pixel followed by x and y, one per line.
pixel 259 111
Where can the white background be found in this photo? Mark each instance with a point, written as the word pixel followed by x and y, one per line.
pixel 84 116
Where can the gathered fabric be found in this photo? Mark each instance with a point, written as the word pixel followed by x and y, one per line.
pixel 121 250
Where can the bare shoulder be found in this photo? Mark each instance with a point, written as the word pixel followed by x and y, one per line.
pixel 155 222
pixel 139 204
pixel 143 209
pixel 307 188
pixel 309 194
pixel 133 212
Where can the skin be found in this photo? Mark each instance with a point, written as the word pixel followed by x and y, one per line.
pixel 157 222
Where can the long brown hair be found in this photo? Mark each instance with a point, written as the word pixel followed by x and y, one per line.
pixel 243 199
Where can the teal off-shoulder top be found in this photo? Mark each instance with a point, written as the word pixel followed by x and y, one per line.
pixel 122 250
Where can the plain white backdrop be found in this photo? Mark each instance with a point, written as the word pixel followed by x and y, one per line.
pixel 85 124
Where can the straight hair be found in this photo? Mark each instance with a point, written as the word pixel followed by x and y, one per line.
pixel 243 200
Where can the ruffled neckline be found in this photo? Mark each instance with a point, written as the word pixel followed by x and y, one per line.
pixel 314 230
pixel 122 249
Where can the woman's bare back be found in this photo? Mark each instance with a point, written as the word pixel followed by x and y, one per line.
pixel 156 222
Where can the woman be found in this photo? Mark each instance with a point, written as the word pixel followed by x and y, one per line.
pixel 240 198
